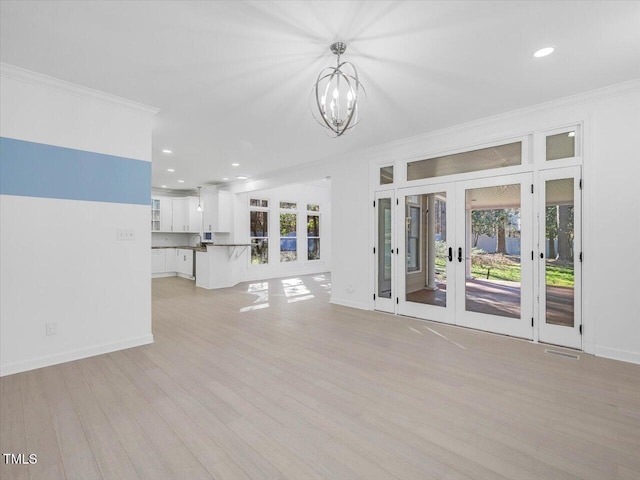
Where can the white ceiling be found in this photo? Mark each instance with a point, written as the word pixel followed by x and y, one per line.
pixel 232 79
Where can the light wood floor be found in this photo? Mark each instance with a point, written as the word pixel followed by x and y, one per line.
pixel 278 383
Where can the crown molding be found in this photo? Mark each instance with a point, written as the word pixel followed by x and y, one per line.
pixel 391 148
pixel 34 78
pixel 590 96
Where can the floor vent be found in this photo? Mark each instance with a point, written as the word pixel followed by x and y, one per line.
pixel 562 354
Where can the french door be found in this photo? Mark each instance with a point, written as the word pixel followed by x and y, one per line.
pixel 426 243
pixel 466 253
pixel 384 252
pixel 560 257
pixel 494 235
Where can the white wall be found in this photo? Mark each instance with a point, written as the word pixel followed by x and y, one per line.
pixel 611 230
pixel 353 233
pixel 301 194
pixel 61 261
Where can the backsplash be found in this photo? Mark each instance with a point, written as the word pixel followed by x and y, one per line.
pixel 173 239
pixel 182 239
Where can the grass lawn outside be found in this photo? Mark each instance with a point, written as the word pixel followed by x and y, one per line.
pixel 496 266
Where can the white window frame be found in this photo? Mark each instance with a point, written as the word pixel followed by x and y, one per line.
pixel 294 211
pixel 306 232
pixel 266 209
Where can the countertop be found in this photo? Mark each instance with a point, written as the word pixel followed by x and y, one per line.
pixel 195 249
pixel 229 244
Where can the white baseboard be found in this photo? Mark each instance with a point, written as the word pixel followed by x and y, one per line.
pixel 588 347
pixel 49 360
pixel 164 274
pixel 617 354
pixel 346 303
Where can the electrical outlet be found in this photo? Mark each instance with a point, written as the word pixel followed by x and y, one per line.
pixel 126 234
pixel 52 328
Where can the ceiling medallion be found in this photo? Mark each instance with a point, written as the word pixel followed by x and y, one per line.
pixel 338 97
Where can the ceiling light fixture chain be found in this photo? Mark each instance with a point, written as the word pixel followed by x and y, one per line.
pixel 338 97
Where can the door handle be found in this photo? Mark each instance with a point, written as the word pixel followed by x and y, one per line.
pixel 450 254
pixel 460 254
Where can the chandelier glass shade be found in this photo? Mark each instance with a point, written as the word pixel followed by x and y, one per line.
pixel 338 97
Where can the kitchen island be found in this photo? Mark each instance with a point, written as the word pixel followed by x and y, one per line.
pixel 219 266
pixel 169 261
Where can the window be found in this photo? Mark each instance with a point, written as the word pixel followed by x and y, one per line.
pixel 498 156
pixel 288 232
pixel 259 231
pixel 312 207
pixel 313 236
pixel 413 238
pixel 255 202
pixel 562 145
pixel 386 175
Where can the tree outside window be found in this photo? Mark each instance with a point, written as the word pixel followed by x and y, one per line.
pixel 259 231
pixel 313 237
pixel 288 232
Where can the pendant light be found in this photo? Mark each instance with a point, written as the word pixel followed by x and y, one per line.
pixel 338 97
pixel 200 209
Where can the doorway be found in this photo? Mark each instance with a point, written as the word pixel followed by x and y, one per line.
pixel 462 248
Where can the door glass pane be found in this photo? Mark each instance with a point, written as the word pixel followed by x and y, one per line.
pixel 426 247
pixel 559 265
pixel 384 248
pixel 492 263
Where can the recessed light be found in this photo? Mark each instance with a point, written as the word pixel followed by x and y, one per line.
pixel 242 177
pixel 543 52
pixel 225 178
pixel 180 181
pixel 170 170
pixel 235 164
pixel 166 150
pixel 163 186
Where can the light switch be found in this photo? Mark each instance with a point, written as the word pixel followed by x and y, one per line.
pixel 126 234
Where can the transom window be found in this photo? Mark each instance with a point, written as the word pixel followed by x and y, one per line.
pixel 488 158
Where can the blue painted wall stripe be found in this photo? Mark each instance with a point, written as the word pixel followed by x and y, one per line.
pixel 31 169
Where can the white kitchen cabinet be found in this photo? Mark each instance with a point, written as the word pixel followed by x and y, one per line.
pixel 166 214
pixel 155 214
pixel 161 214
pixel 218 211
pixel 185 262
pixel 194 222
pixel 179 210
pixel 186 217
pixel 158 260
pixel 171 257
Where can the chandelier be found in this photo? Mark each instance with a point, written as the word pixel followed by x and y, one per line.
pixel 338 97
